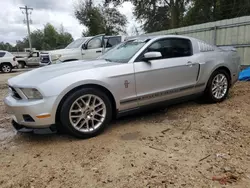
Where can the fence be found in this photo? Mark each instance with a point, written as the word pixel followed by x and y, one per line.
pixel 232 32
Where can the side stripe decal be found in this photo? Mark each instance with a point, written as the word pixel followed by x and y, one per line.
pixel 162 93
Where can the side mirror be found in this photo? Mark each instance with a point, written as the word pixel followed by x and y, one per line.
pixel 152 55
pixel 84 46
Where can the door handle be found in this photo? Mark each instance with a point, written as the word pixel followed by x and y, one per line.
pixel 190 63
pixel 98 51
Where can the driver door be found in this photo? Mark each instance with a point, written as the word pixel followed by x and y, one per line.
pixel 34 59
pixel 93 48
pixel 171 76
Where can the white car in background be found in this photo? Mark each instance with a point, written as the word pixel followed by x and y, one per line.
pixel 86 48
pixel 30 60
pixel 7 61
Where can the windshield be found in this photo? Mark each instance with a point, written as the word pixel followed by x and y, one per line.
pixel 76 44
pixel 123 52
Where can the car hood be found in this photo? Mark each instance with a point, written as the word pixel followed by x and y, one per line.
pixel 40 75
pixel 58 52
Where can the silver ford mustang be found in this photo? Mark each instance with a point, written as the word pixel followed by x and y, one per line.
pixel 83 96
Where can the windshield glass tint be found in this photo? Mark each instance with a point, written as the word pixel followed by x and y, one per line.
pixel 124 52
pixel 76 44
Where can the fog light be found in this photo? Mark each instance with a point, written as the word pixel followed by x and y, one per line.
pixel 28 118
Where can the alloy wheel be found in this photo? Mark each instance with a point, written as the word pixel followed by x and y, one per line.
pixel 219 86
pixel 6 68
pixel 87 113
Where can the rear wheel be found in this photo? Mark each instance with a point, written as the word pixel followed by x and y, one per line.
pixel 86 112
pixel 218 86
pixel 6 67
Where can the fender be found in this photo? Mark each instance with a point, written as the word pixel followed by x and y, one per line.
pixel 77 84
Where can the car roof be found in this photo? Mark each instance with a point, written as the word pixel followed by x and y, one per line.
pixel 149 37
pixel 3 51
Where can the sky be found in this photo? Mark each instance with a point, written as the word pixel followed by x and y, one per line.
pixel 56 12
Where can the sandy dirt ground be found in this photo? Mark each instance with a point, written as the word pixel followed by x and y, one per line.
pixel 193 145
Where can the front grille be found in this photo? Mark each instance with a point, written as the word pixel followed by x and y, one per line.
pixel 45 59
pixel 15 94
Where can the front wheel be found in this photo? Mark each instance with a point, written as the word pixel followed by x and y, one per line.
pixel 21 64
pixel 218 86
pixel 86 112
pixel 6 68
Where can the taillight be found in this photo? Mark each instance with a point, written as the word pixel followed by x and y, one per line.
pixel 14 58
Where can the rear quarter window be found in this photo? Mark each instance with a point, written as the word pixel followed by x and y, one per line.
pixel 2 54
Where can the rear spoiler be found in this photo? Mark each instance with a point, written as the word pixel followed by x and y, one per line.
pixel 228 48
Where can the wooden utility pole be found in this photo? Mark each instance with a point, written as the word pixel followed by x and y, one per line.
pixel 26 9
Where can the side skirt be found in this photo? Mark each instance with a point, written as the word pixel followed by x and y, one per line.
pixel 157 105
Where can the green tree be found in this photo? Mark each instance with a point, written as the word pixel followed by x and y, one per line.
pixel 37 39
pixel 212 10
pixel 50 36
pixel 6 46
pixel 157 15
pixel 63 38
pixel 47 39
pixel 100 19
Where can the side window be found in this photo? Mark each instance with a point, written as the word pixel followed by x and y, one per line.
pixel 181 47
pixel 95 43
pixel 171 48
pixel 113 41
pixel 35 54
pixel 2 54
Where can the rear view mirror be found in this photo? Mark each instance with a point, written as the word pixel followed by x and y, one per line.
pixel 152 55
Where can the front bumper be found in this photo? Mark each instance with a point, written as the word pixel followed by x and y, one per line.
pixel 15 64
pixel 23 129
pixel 39 110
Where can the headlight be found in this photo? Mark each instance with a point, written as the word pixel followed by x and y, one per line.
pixel 57 57
pixel 32 93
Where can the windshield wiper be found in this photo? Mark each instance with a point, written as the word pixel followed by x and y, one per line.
pixel 109 60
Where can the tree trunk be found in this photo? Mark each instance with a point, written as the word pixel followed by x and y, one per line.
pixel 214 10
pixel 174 14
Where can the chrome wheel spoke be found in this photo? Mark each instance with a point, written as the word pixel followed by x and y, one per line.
pixel 94 101
pixel 98 105
pixel 215 91
pixel 83 102
pixel 78 121
pixel 76 116
pixel 78 105
pixel 92 123
pixel 100 115
pixel 87 122
pixel 214 88
pixel 82 124
pixel 74 111
pixel 97 111
pixel 217 79
pixel 223 79
pixel 88 101
pixel 98 120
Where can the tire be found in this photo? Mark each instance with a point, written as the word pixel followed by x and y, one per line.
pixel 6 67
pixel 219 94
pixel 82 127
pixel 21 64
